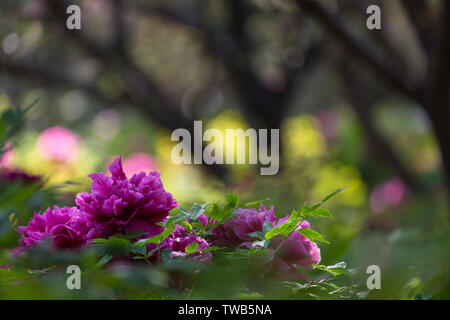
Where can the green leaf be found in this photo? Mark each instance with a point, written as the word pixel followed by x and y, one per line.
pixel 155 239
pixel 312 235
pixel 321 212
pixel 213 248
pixel 306 211
pixel 253 203
pixel 134 234
pixel 333 194
pixel 233 202
pixel 216 212
pixel 187 226
pixel 267 226
pixel 191 248
pixel 104 260
pixel 174 220
pixel 263 243
pixel 197 211
pixel 220 214
pixel 337 269
pixel 257 234
pixel 183 211
pixel 140 250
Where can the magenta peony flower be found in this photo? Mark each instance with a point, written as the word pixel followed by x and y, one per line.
pixel 60 225
pixel 179 239
pixel 236 230
pixel 58 143
pixel 299 250
pixel 296 250
pixel 117 204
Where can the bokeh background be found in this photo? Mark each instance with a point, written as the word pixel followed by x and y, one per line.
pixel 367 109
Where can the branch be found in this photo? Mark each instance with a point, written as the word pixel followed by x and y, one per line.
pixel 420 15
pixel 361 48
pixel 439 72
pixel 381 148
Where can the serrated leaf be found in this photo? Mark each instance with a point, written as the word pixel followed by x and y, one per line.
pixel 183 211
pixel 197 210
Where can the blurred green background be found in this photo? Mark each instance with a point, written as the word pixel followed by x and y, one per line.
pixel 367 109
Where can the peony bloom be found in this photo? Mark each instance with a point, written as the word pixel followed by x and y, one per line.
pixel 236 230
pixel 60 225
pixel 297 250
pixel 118 204
pixel 179 239
pixel 58 143
pixel 138 162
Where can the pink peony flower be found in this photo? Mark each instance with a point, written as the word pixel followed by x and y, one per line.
pixel 60 225
pixel 138 162
pixel 179 239
pixel 118 204
pixel 5 158
pixel 58 143
pixel 299 250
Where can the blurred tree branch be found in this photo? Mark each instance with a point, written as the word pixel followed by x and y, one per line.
pixel 262 107
pixel 360 47
pixel 432 93
pixel 420 15
pixel 229 44
pixel 377 144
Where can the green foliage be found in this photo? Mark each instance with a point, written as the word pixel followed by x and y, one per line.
pixel 298 216
pixel 11 121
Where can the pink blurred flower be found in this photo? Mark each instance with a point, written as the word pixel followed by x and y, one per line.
pixel 388 194
pixel 58 143
pixel 138 162
pixel 5 160
pixel 328 122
